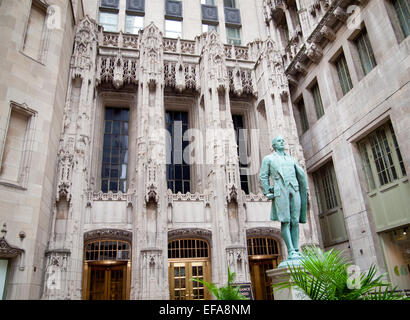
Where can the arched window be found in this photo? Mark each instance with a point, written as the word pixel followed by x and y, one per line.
pixel 188 248
pixel 107 250
pixel 262 246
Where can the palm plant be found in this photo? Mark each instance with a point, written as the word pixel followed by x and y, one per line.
pixel 228 292
pixel 324 276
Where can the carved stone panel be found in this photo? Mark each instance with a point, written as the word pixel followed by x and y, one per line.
pixel 173 9
pixel 238 262
pixel 114 234
pixel 112 4
pixel 136 5
pixel 233 16
pixel 209 13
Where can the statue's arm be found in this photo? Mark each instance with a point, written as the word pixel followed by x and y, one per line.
pixel 264 176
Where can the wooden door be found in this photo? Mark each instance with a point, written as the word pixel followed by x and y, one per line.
pixel 107 282
pixel 261 283
pixel 181 285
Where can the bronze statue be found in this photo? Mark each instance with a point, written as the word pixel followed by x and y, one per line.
pixel 288 194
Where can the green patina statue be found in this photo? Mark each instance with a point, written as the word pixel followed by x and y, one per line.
pixel 288 195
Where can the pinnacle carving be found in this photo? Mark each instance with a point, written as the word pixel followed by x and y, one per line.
pixel 86 35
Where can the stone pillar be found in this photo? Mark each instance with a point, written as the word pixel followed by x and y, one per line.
pixel 150 273
pixel 65 252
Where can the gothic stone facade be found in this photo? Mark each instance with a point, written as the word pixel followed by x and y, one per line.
pixel 57 206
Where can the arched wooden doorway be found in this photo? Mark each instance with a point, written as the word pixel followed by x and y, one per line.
pixel 107 270
pixel 263 254
pixel 188 259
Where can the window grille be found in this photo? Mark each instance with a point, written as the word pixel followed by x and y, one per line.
pixel 317 101
pixel 343 74
pixel 262 246
pixel 107 250
pixel 402 8
pixel 188 249
pixel 366 54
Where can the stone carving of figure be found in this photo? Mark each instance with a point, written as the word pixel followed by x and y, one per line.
pixel 288 194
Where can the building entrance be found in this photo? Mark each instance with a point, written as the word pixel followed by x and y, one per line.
pixel 188 259
pixel 107 270
pixel 107 282
pixel 263 254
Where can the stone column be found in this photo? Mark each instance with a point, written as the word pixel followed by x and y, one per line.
pixel 65 252
pixel 150 273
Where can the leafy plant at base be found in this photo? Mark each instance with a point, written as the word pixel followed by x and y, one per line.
pixel 228 292
pixel 324 276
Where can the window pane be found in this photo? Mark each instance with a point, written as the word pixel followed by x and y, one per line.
pixel 115 150
pixel 318 101
pixel 208 2
pixel 303 116
pixel 177 172
pixel 366 167
pixel 233 36
pixel 173 29
pixel 240 135
pixel 229 4
pixel 396 146
pixel 365 52
pixel 133 24
pixel 382 157
pixel 209 27
pixel 326 189
pixel 109 21
pixel 343 74
pixel 403 14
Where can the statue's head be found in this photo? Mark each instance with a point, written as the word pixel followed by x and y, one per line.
pixel 278 143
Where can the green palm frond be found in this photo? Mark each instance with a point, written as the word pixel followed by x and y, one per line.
pixel 324 276
pixel 228 292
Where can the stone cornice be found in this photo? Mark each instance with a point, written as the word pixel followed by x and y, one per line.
pixel 311 49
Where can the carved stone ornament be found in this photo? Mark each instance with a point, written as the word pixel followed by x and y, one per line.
pixel 237 259
pixel 340 14
pixel 299 67
pixel 314 52
pixel 65 168
pixel 231 182
pixel 256 197
pixel 237 84
pixel 264 232
pixel 86 34
pixel 114 234
pixel 118 80
pixel 9 251
pixel 151 193
pixel 216 59
pixel 152 54
pixel 328 33
pixel 180 75
pixel 189 232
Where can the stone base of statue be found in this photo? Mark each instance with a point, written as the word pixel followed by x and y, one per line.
pixel 282 274
pixel 289 262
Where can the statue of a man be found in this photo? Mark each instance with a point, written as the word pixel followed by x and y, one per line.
pixel 288 193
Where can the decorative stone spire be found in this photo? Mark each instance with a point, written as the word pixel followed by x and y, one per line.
pixel 151 60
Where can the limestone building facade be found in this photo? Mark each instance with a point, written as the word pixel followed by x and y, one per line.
pixel 132 134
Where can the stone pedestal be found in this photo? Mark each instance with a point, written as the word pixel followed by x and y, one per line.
pixel 282 275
